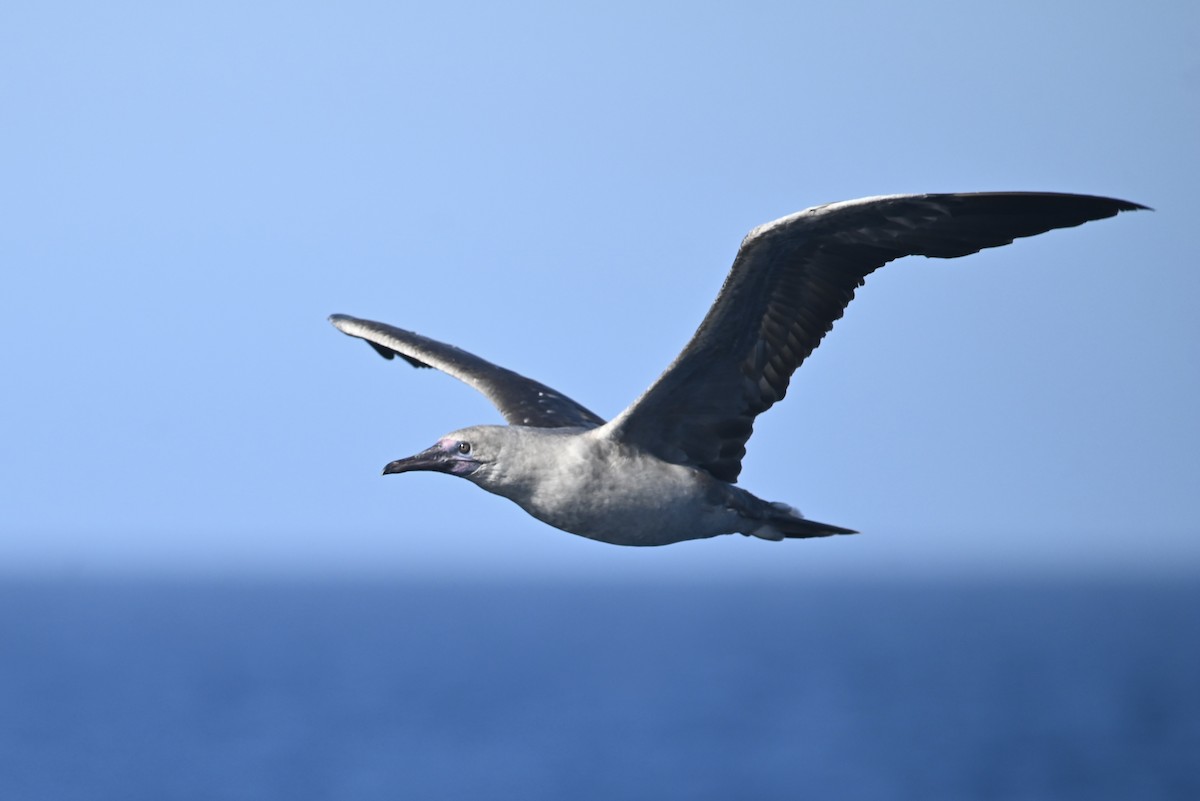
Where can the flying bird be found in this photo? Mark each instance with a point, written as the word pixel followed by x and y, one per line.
pixel 665 469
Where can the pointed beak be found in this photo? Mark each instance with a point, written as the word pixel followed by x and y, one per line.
pixel 435 458
pixel 441 458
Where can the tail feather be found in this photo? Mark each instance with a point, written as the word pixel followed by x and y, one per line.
pixel 787 522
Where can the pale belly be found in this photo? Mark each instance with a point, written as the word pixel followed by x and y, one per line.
pixel 651 503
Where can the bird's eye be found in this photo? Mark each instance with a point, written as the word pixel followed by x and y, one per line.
pixel 464 447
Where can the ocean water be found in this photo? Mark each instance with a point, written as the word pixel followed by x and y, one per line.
pixel 375 690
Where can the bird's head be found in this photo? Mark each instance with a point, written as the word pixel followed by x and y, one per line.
pixel 460 453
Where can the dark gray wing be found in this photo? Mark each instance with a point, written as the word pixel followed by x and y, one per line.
pixel 791 280
pixel 522 401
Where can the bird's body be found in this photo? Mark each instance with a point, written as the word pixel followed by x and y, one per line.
pixel 664 470
pixel 645 502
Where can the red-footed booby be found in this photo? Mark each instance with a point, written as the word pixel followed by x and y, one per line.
pixel 664 470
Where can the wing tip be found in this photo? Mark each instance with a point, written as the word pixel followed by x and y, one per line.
pixel 1129 205
pixel 341 321
pixel 1116 205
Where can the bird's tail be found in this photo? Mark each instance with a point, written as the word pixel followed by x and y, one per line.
pixel 784 521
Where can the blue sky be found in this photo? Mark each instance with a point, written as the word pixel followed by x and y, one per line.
pixel 189 189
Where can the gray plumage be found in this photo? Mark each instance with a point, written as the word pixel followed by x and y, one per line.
pixel 664 469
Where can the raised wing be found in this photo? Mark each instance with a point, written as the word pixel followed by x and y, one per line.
pixel 522 401
pixel 791 280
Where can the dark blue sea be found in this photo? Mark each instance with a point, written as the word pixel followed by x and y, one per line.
pixel 375 690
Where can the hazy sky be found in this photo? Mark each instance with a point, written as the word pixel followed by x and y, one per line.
pixel 189 189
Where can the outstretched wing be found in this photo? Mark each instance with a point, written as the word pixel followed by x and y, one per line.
pixel 791 280
pixel 522 401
